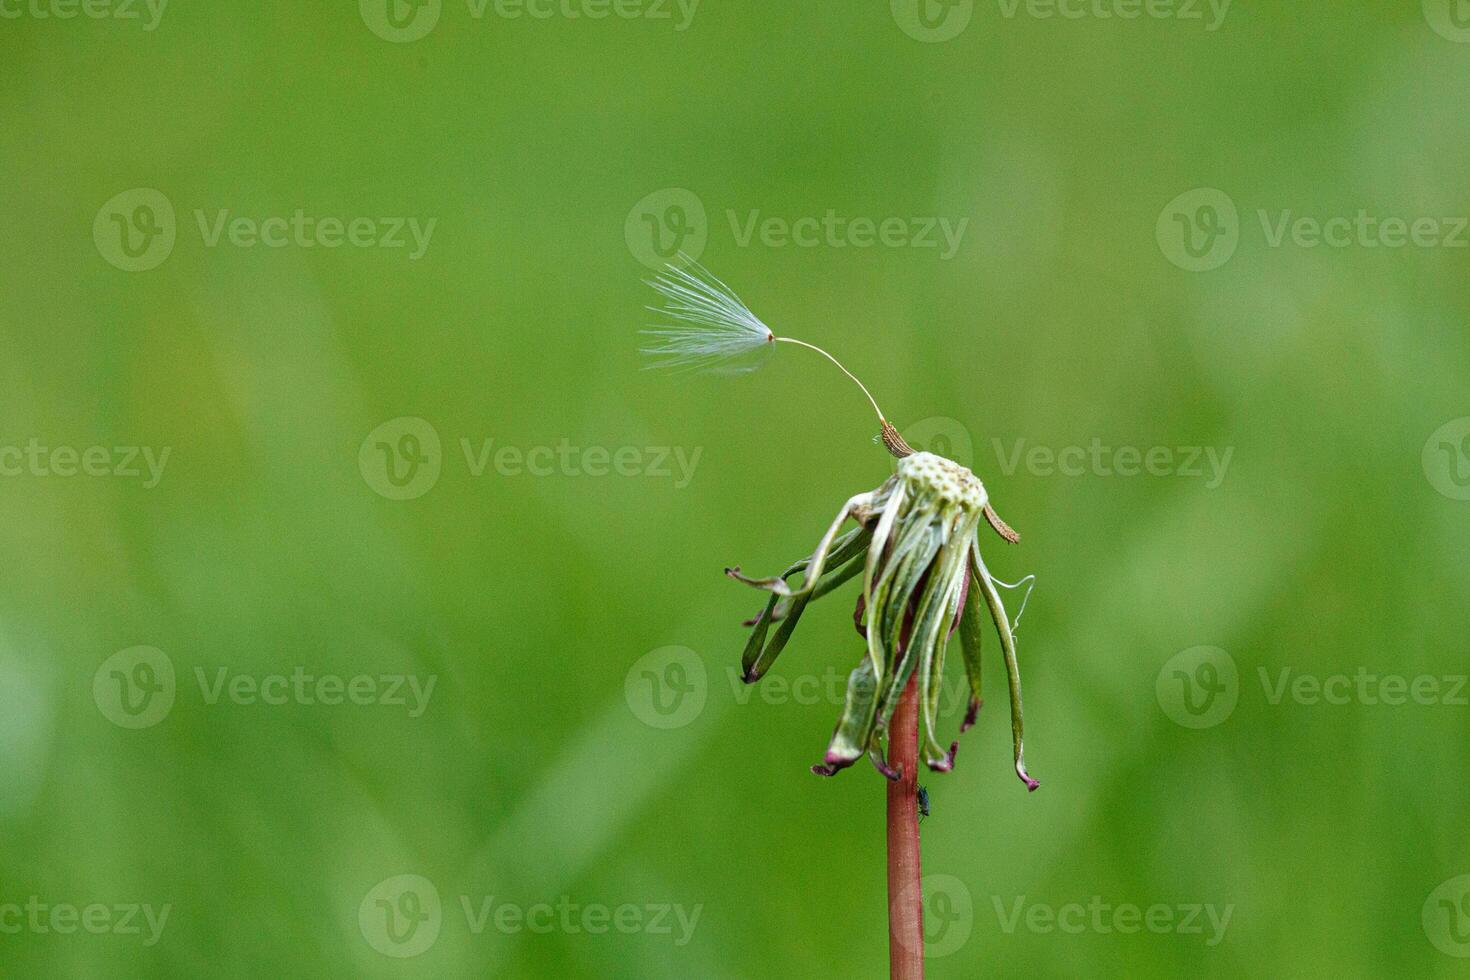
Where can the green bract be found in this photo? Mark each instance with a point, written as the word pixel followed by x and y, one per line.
pixel 916 545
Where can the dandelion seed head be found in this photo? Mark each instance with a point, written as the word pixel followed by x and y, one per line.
pixel 705 325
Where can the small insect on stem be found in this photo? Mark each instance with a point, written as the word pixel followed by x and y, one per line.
pixel 923 803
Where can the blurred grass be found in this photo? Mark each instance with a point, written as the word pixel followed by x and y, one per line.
pixel 1058 321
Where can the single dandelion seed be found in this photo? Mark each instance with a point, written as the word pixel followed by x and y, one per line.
pixel 707 328
pixel 715 330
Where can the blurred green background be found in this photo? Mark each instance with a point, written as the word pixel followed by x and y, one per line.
pixel 1131 271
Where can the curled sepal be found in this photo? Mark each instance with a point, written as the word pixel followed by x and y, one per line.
pixel 875 755
pixel 969 604
pixel 1001 527
pixel 931 634
pixel 944 763
pixel 755 646
pixel 853 734
pixel 970 632
pixel 971 714
pixel 882 532
pixel 833 580
pixel 815 563
pixel 1008 648
pixel 760 655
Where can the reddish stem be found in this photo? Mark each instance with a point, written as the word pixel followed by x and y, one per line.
pixel 905 896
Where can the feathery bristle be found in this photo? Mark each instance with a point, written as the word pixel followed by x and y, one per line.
pixel 712 328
